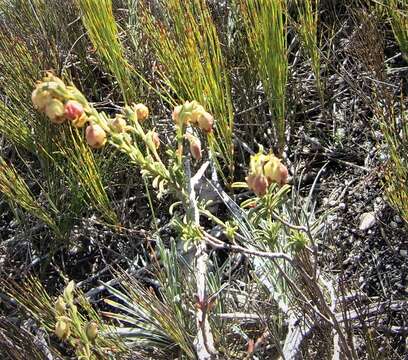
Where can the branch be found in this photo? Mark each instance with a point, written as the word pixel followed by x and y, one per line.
pixel 204 342
pixel 218 244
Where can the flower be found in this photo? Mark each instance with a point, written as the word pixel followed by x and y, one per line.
pixel 196 113
pixel 205 122
pixel 195 146
pixel 118 124
pixel 73 110
pixel 60 305
pixel 62 329
pixel 91 330
pixel 265 170
pixel 40 98
pixel 55 111
pixel 95 136
pixel 141 111
pixel 275 171
pixel 258 183
pixel 176 114
pixel 156 139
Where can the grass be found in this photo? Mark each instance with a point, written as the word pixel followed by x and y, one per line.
pixel 398 13
pixel 84 174
pixel 19 70
pixel 13 186
pixel 266 27
pixel 395 129
pixel 186 44
pixel 307 18
pixel 103 31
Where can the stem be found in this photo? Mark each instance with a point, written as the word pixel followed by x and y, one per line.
pixel 204 342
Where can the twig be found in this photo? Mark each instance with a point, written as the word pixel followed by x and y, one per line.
pixel 204 342
pixel 239 316
pixel 214 242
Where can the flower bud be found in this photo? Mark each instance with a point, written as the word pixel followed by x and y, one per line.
pixel 55 111
pixel 176 114
pixel 60 306
pixel 69 291
pixel 51 78
pixel 258 183
pixel 275 171
pixel 189 106
pixel 283 174
pixel 62 329
pixel 196 113
pixel 195 147
pixel 156 139
pixel 91 330
pixel 73 110
pixel 95 136
pixel 40 98
pixel 141 111
pixel 118 124
pixel 205 122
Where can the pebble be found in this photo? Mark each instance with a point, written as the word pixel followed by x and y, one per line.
pixel 397 219
pixel 332 203
pixel 367 221
pixel 393 225
pixel 403 252
pixel 342 206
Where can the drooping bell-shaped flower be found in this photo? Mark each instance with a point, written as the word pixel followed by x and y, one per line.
pixel 95 136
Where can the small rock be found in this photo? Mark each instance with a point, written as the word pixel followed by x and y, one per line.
pixel 332 203
pixel 342 206
pixel 397 219
pixel 403 252
pixel 367 221
pixel 393 225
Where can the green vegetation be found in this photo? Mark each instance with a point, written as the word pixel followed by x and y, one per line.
pixel 252 207
pixel 266 28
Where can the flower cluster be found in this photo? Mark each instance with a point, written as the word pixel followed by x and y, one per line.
pixel 193 113
pixel 265 170
pixel 62 103
pixel 58 101
pixel 125 131
pixel 70 326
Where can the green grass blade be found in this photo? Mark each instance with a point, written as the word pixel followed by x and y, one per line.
pixel 98 19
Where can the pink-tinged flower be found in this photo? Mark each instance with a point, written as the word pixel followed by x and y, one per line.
pixel 55 111
pixel 141 111
pixel 95 136
pixel 118 124
pixel 198 111
pixel 283 174
pixel 40 98
pixel 73 110
pixel 156 139
pixel 258 183
pixel 195 146
pixel 205 122
pixel 275 171
pixel 176 114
